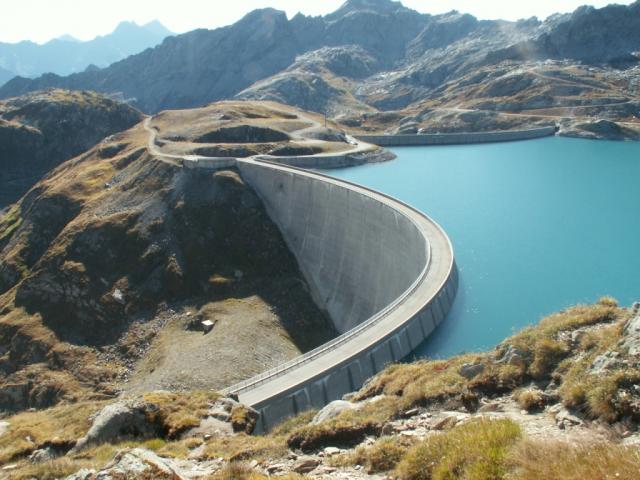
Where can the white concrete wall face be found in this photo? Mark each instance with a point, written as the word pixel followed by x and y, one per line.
pixel 357 254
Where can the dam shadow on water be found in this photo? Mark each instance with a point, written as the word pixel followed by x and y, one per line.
pixel 536 226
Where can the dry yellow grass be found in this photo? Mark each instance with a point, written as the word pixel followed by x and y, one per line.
pixel 603 395
pixel 529 399
pixel 382 456
pixel 60 425
pixel 245 447
pixel 536 460
pixel 473 451
pixel 93 458
pixel 286 427
pixel 178 412
pixel 421 383
pixel 9 222
pixel 348 428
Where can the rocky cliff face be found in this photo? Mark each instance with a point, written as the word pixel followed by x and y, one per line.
pixel 191 69
pixel 38 131
pixel 607 35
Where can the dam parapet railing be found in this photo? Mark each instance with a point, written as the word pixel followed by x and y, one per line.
pixel 424 139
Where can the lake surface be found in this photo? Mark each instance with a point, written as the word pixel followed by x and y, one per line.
pixel 536 226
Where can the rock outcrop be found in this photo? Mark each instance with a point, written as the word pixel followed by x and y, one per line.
pixel 126 419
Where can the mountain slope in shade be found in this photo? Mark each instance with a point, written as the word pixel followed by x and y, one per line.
pixel 5 75
pixel 66 55
pixel 40 130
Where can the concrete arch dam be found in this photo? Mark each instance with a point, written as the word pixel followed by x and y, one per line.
pixel 383 271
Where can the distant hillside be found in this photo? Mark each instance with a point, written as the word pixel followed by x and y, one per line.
pixel 40 130
pixel 66 55
pixel 369 55
pixel 5 75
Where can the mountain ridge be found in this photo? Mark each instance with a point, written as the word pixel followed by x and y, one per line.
pixel 413 54
pixel 65 55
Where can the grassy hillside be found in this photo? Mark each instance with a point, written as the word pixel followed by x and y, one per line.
pixel 543 404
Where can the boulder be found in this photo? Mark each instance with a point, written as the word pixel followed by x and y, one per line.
pixel 332 410
pixel 565 418
pixel 513 356
pixel 305 464
pixel 84 474
pixel 4 426
pixel 210 427
pixel 445 423
pixel 222 408
pixel 631 339
pixel 136 463
pixel 606 362
pixel 42 455
pixel 470 370
pixel 124 419
pixel 331 451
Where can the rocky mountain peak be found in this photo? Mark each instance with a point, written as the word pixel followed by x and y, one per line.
pixel 125 26
pixel 377 6
pixel 261 15
pixel 156 27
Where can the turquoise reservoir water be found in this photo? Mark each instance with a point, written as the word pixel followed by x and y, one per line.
pixel 536 226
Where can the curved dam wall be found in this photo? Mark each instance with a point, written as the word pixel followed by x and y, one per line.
pixel 383 271
pixel 357 254
pixel 457 138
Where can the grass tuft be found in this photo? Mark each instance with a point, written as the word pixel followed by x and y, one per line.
pixel 472 451
pixel 180 412
pixel 536 460
pixel 347 429
pixel 529 399
pixel 382 456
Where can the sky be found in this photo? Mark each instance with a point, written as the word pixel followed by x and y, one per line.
pixel 42 20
